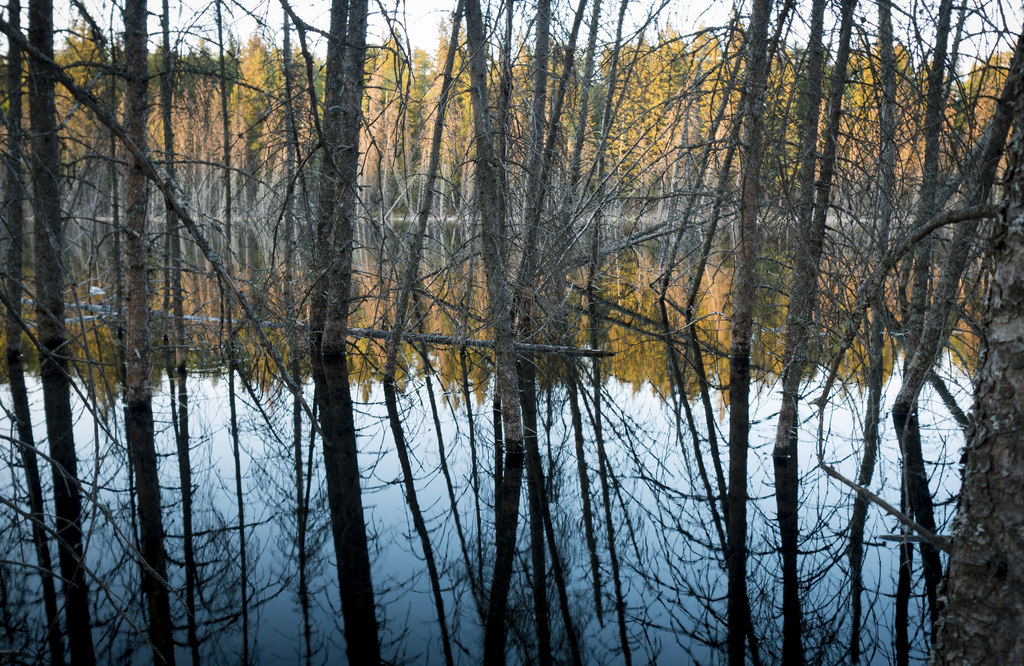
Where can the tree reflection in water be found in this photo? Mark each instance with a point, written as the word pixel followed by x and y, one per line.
pixel 671 566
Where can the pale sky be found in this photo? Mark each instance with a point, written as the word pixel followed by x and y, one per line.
pixel 421 18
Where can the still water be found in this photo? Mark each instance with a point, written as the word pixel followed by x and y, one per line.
pixel 671 563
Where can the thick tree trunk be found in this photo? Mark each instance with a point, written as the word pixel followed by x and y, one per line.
pixel 932 332
pixel 52 336
pixel 14 194
pixel 13 220
pixel 329 309
pixel 983 618
pixel 22 414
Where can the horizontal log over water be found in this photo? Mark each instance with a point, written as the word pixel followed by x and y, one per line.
pixel 374 333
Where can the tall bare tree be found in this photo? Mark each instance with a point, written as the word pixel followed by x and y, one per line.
pixel 329 311
pixel 743 294
pixel 814 209
pixel 138 393
pixel 50 275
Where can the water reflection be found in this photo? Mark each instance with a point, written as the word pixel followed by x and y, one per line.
pixel 647 490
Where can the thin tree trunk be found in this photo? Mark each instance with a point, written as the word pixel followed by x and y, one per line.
pixel 499 456
pixel 526 371
pixel 886 193
pixel 138 357
pixel 291 314
pixel 597 380
pixel 581 468
pixel 535 495
pixel 428 370
pixel 397 431
pixel 227 303
pixel 409 278
pixel 904 415
pixel 179 376
pixel 743 293
pixel 901 619
pixel 606 502
pixel 506 382
pixel 467 399
pixel 803 298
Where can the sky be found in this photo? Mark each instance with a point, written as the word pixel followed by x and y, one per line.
pixel 422 18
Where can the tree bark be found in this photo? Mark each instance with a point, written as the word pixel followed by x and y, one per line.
pixel 294 352
pixel 983 618
pixel 179 374
pixel 329 310
pixel 506 380
pixel 14 218
pixel 139 356
pixel 52 335
pixel 886 194
pixel 409 279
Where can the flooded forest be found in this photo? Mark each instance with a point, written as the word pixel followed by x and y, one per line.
pixel 589 332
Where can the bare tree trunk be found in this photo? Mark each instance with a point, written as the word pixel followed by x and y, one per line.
pixel 52 335
pixel 294 360
pixel 506 381
pixel 981 621
pixel 573 389
pixel 876 342
pixel 14 195
pixel 115 223
pixel 19 395
pixel 13 219
pixel 901 618
pixel 409 279
pixel 526 370
pixel 597 379
pixel 744 288
pixel 803 297
pixel 227 304
pixel 179 376
pixel 329 311
pixel 604 469
pixel 535 495
pixel 924 333
pixel 139 356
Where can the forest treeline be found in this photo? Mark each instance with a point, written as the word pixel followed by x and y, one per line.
pixel 809 199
